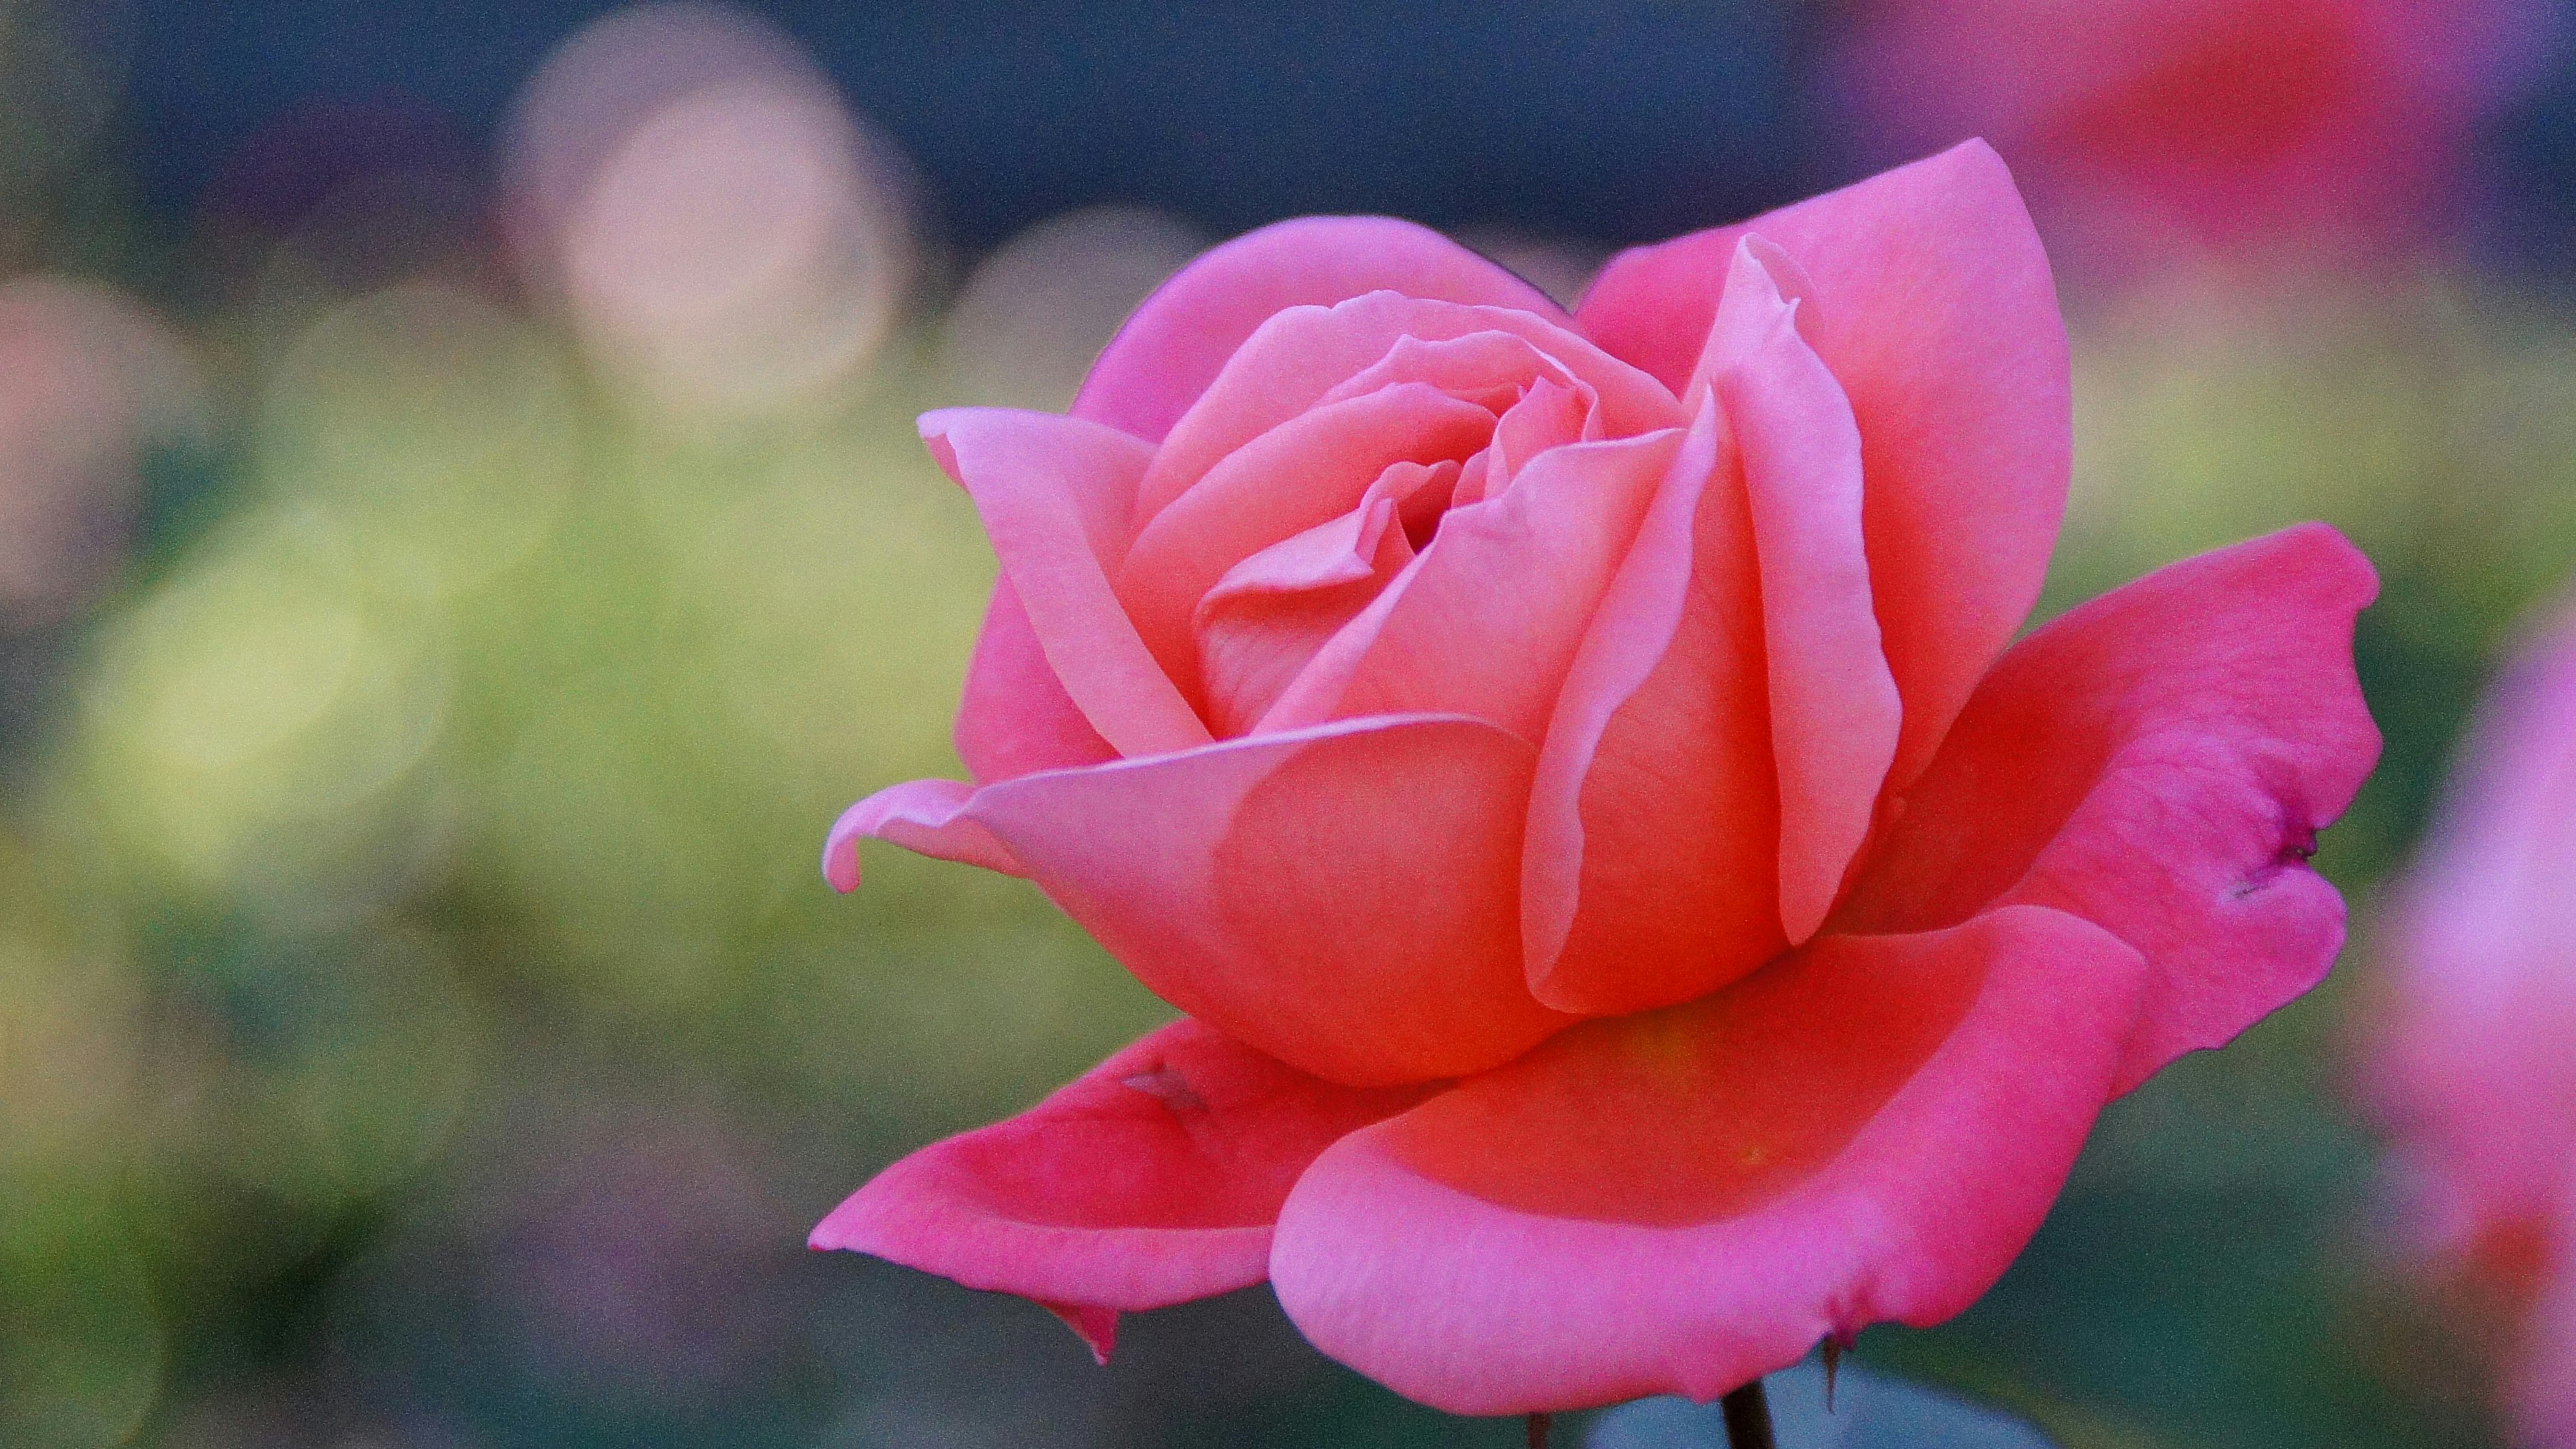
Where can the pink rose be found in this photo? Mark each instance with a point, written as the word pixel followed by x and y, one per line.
pixel 1631 921
pixel 2476 1068
pixel 2148 127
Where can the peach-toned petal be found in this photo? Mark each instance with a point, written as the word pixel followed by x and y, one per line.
pixel 1307 471
pixel 1343 898
pixel 1473 476
pixel 1629 903
pixel 1491 368
pixel 1935 311
pixel 1308 356
pixel 1152 1179
pixel 1270 614
pixel 2158 761
pixel 1683 1200
pixel 1486 622
pixel 1835 713
pixel 1546 415
pixel 1015 718
pixel 1176 343
pixel 1053 494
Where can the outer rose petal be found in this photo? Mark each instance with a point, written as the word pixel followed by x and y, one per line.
pixel 1681 1201
pixel 1177 341
pixel 1016 718
pixel 1152 1179
pixel 2159 761
pixel 1343 897
pixel 1835 714
pixel 1628 903
pixel 924 816
pixel 1936 313
pixel 1053 494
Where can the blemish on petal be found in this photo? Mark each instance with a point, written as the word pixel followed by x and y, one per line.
pixel 1167 1087
pixel 2298 846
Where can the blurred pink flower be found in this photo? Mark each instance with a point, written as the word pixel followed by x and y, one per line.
pixel 2476 1066
pixel 2150 129
pixel 89 379
pixel 1636 916
pixel 726 237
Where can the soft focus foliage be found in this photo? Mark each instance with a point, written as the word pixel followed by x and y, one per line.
pixel 420 1022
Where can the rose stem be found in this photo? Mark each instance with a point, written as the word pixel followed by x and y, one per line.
pixel 1748 1418
pixel 1538 1431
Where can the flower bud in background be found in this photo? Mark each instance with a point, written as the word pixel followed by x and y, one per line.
pixel 93 380
pixel 2475 1067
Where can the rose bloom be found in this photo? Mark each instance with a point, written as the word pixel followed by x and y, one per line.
pixel 2148 129
pixel 2476 1062
pixel 1634 916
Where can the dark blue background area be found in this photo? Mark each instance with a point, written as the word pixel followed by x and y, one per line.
pixel 1623 121
pixel 2529 151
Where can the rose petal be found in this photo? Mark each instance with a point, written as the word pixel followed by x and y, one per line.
pixel 1681 1201
pixel 1491 368
pixel 1015 718
pixel 1097 1327
pixel 1345 550
pixel 1343 898
pixel 1629 903
pixel 1835 714
pixel 1053 493
pixel 1307 471
pixel 1547 415
pixel 1486 622
pixel 1152 1179
pixel 1937 315
pixel 924 816
pixel 1308 356
pixel 2159 761
pixel 1175 343
pixel 1270 614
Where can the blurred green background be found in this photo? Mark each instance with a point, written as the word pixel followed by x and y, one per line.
pixel 462 538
